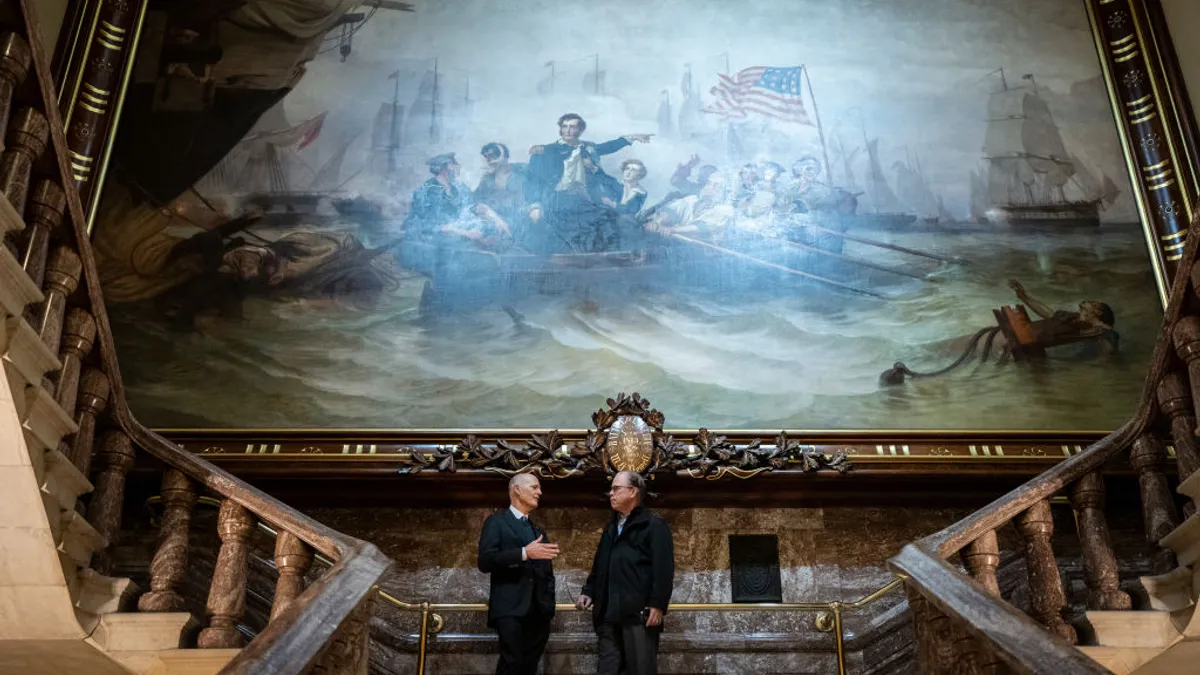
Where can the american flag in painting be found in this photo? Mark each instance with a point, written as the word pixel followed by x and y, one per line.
pixel 761 90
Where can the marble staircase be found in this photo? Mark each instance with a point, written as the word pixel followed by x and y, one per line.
pixel 1164 640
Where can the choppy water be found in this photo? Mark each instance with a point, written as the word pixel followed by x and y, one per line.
pixel 810 360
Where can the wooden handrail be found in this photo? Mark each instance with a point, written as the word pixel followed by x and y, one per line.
pixel 293 641
pixel 1016 639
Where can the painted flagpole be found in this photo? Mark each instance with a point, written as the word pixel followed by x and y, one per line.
pixel 817 115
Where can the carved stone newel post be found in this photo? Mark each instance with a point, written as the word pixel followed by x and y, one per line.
pixel 1099 563
pixel 292 559
pixel 1046 595
pixel 79 333
pixel 114 458
pixel 170 560
pixel 227 595
pixel 62 278
pixel 93 398
pixel 1149 460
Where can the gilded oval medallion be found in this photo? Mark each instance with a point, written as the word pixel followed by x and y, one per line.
pixel 630 445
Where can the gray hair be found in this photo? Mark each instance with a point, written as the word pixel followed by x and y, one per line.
pixel 520 479
pixel 637 481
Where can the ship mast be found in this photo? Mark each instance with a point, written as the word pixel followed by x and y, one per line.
pixel 394 128
pixel 433 108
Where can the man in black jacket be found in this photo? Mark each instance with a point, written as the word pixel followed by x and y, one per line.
pixel 630 585
pixel 515 553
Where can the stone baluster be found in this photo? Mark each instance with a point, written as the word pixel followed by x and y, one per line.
pixel 227 595
pixel 348 651
pixel 15 59
pixel 79 332
pixel 1149 459
pixel 43 214
pixel 1046 595
pixel 935 646
pixel 115 457
pixel 171 558
pixel 1099 563
pixel 25 141
pixel 292 559
pixel 1176 403
pixel 1186 336
pixel 93 398
pixel 981 558
pixel 62 278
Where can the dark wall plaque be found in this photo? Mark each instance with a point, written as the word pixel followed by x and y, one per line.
pixel 754 567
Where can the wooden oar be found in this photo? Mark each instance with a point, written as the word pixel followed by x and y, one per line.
pixel 890 247
pixel 781 268
pixel 855 261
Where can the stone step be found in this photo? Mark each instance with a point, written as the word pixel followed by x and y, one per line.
pixel 16 288
pixel 1191 487
pixel 25 353
pixel 142 631
pixel 45 418
pixel 97 596
pixel 1120 660
pixel 1185 541
pixel 1180 658
pixel 64 481
pixel 176 661
pixel 79 539
pixel 1152 629
pixel 1172 591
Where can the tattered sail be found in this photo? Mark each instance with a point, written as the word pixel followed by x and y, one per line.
pixel 917 195
pixel 329 176
pixel 593 82
pixel 879 193
pixel 424 124
pixel 666 121
pixel 689 107
pixel 266 159
pixel 845 159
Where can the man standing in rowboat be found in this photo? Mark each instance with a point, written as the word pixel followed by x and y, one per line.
pixel 565 184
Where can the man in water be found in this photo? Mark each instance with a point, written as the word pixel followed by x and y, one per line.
pixel 1093 322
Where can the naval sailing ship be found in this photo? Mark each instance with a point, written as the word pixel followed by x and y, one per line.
pixel 1030 178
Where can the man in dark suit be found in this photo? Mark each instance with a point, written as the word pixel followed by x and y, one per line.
pixel 630 585
pixel 516 554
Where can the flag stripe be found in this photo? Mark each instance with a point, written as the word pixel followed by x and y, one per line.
pixel 772 92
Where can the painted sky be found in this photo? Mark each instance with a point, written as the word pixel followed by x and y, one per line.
pixel 915 73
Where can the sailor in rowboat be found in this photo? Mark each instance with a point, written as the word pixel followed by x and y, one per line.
pixel 565 185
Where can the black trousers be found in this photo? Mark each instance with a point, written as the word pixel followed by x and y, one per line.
pixel 627 650
pixel 522 641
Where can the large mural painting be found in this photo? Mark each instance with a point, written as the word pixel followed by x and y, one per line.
pixel 761 215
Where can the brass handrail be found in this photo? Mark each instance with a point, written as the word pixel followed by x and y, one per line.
pixel 829 618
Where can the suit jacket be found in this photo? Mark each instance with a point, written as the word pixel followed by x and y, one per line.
pixel 518 587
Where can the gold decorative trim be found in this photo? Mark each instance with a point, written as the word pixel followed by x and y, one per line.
pixel 1178 235
pixel 82 158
